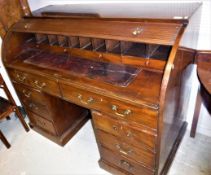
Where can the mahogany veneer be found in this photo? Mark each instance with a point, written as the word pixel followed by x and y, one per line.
pixel 129 73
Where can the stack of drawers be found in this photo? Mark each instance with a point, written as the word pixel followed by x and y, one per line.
pixel 124 144
pixel 38 95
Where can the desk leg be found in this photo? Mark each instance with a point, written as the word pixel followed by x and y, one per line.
pixel 196 114
pixel 4 140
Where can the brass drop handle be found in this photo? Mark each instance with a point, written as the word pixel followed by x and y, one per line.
pixel 27 94
pixel 126 164
pixel 89 101
pixel 21 78
pixel 124 114
pixel 121 150
pixel 32 105
pixel 137 31
pixel 39 85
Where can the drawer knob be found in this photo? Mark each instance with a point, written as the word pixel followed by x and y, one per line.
pixel 89 101
pixel 115 127
pixel 123 114
pixel 137 31
pixel 26 94
pixel 121 150
pixel 39 85
pixel 20 78
pixel 129 134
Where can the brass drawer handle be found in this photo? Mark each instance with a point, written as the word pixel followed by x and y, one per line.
pixel 137 31
pixel 121 150
pixel 126 164
pixel 20 78
pixel 89 101
pixel 26 94
pixel 39 85
pixel 32 105
pixel 124 114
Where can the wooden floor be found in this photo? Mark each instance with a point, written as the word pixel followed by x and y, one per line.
pixel 80 155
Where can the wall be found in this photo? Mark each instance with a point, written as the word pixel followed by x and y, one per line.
pixel 202 41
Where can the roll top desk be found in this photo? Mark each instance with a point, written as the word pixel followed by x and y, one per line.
pixel 127 75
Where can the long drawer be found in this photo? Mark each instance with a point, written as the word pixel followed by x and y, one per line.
pixel 36 81
pixel 117 145
pixel 125 164
pixel 34 100
pixel 137 136
pixel 42 123
pixel 115 108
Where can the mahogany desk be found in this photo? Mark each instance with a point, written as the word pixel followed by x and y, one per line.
pixel 127 75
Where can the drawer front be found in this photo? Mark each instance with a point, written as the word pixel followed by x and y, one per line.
pixel 42 123
pixel 36 81
pixel 124 163
pixel 115 108
pixel 33 100
pixel 117 145
pixel 136 136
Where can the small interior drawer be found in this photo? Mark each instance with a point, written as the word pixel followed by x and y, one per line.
pixel 130 134
pixel 42 123
pixel 128 165
pixel 117 145
pixel 36 81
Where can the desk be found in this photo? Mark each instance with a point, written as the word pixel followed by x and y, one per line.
pixel 203 95
pixel 127 75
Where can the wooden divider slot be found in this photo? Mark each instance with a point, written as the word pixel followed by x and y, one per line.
pixel 85 43
pixel 52 40
pixel 41 38
pixel 98 45
pixel 73 42
pixel 113 46
pixel 135 49
pixel 62 40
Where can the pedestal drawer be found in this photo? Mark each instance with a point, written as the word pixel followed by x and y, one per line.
pixel 115 108
pixel 33 100
pixel 123 163
pixel 36 81
pixel 139 137
pixel 42 123
pixel 117 145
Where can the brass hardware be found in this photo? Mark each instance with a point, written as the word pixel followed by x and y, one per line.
pixel 126 164
pixel 129 134
pixel 39 85
pixel 27 94
pixel 89 101
pixel 124 114
pixel 115 127
pixel 26 26
pixel 121 150
pixel 100 55
pixel 32 105
pixel 137 31
pixel 20 78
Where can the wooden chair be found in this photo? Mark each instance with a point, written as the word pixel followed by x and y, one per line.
pixel 6 108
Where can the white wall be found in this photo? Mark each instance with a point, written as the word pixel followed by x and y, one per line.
pixel 203 42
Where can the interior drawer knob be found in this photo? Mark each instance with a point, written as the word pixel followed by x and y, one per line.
pixel 137 31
